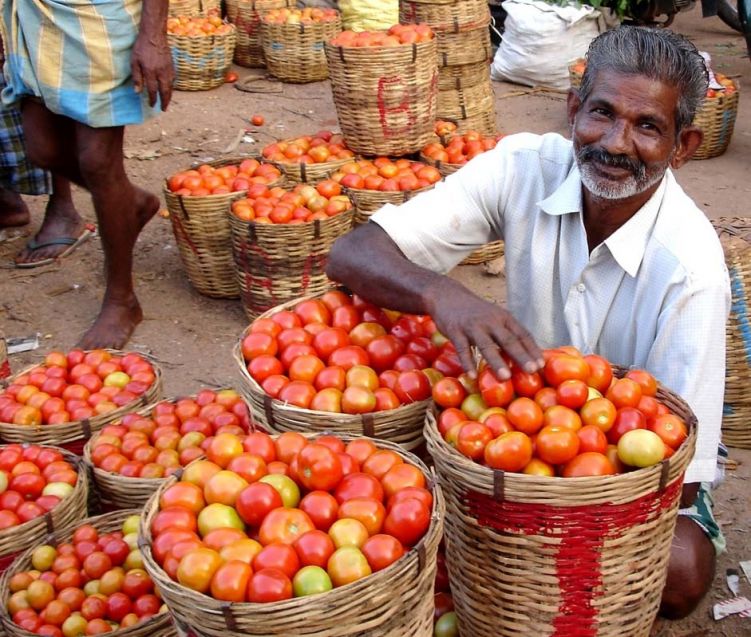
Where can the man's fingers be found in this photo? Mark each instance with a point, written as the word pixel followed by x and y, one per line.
pixel 152 87
pixel 534 353
pixel 490 346
pixel 135 69
pixel 165 90
pixel 463 351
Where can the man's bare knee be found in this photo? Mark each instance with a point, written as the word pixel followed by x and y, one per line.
pixel 100 158
pixel 690 570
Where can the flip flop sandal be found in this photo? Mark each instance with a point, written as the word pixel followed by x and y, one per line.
pixel 72 243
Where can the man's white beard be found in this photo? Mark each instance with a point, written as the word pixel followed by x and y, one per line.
pixel 605 188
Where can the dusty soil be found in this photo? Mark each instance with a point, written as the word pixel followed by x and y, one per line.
pixel 192 335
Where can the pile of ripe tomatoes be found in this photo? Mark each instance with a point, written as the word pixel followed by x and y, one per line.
pixel 264 519
pixel 386 175
pixel 211 180
pixel 397 35
pixel 324 146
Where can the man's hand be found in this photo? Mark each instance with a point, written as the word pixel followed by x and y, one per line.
pixel 467 320
pixel 151 65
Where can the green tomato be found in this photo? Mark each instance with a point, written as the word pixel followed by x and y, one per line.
pixel 130 525
pixel 117 379
pixel 446 626
pixel 286 487
pixel 311 580
pixel 474 406
pixel 641 448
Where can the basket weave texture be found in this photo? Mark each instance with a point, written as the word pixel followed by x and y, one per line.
pixel 70 510
pixel 394 602
pixel 301 173
pixel 559 556
pixel 464 47
pixel 463 76
pixel 385 97
pixel 73 435
pixel 157 626
pixel 201 62
pixel 369 201
pixel 446 17
pixel 179 8
pixel 716 118
pixel 488 252
pixel 294 52
pixel 402 425
pixel 203 237
pixel 246 16
pixel 276 263
pixel 735 236
pixel 466 102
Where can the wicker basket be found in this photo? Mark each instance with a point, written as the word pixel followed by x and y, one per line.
pixel 716 118
pixel 488 252
pixel 157 626
pixel 559 556
pixel 446 17
pixel 201 62
pixel 394 602
pixel 463 76
pixel 467 102
pixel 203 237
pixel 294 52
pixel 483 122
pixel 735 235
pixel 402 425
pixel 19 538
pixel 574 75
pixel 72 436
pixel 299 173
pixel 246 15
pixel 276 263
pixel 369 201
pixel 385 97
pixel 464 47
pixel 179 8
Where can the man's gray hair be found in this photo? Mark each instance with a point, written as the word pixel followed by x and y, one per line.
pixel 659 54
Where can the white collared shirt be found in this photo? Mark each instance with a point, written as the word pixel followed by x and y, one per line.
pixel 655 295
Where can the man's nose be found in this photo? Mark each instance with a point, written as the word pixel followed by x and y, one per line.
pixel 617 138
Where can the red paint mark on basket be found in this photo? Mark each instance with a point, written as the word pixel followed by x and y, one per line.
pixel 583 531
pixel 313 266
pixel 410 12
pixel 76 447
pixel 7 560
pixel 177 224
pixel 391 85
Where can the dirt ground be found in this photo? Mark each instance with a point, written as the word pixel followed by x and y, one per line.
pixel 192 336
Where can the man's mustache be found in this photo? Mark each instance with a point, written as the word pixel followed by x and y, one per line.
pixel 589 153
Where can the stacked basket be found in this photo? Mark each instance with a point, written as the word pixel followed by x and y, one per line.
pixel 716 118
pixel 559 556
pixel 246 16
pixel 465 93
pixel 735 235
pixel 201 61
pixel 193 7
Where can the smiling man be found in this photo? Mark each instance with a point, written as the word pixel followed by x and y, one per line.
pixel 604 251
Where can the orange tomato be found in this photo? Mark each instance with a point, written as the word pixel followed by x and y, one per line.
pixel 197 568
pixel 556 445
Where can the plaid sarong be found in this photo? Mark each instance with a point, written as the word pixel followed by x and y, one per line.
pixel 74 55
pixel 16 173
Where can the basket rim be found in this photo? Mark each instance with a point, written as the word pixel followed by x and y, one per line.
pixel 381 49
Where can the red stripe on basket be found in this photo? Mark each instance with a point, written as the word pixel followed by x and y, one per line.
pixel 583 530
pixel 76 446
pixel 390 86
pixel 5 369
pixel 7 560
pixel 181 229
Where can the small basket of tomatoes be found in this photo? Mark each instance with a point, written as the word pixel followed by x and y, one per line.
pixel 70 396
pixel 246 16
pixel 341 539
pixel 198 200
pixel 44 488
pixel 281 241
pixel 560 486
pixel 716 118
pixel 310 158
pixel 371 184
pixel 179 8
pixel 84 579
pixel 384 87
pixel 129 459
pixel 338 363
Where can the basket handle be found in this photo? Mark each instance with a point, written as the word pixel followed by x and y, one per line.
pixel 368 425
pixel 499 485
pixel 229 617
pixel 664 474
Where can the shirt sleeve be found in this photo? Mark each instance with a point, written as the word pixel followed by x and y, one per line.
pixel 440 227
pixel 688 356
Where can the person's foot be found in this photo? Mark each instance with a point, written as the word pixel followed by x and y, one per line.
pixel 13 210
pixel 114 325
pixel 61 220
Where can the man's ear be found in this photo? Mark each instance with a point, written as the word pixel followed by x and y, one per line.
pixel 689 139
pixel 573 102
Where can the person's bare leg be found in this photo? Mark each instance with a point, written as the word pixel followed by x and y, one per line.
pixel 13 210
pixel 61 220
pixel 690 570
pixel 122 211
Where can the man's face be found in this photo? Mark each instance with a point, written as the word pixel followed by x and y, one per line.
pixel 624 134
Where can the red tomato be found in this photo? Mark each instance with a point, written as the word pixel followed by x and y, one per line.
pixel 260 444
pixel 556 445
pixel 572 393
pixel 313 311
pixel 600 373
pixel 560 416
pixel 347 357
pixel 645 380
pixel 217 539
pixel 256 501
pixel 29 485
pixel 407 521
pixel 319 468
pixel 269 585
pixel 381 462
pixel 562 367
pixel 626 419
pixel 331 377
pixel 284 526
pixel 314 548
pixel 288 445
pixel 471 441
pixel 624 393
pixel 230 581
pixel 261 367
pixel 589 463
pixel 525 384
pixel 364 485
pixel 412 386
pixel 118 606
pixel 448 392
pixel 280 556
pixel 183 494
pixel 382 550
pixel 592 438
pixel 257 344
pixel 599 412
pixel 147 605
pixel 248 466
pixel 671 429
pixel 196 569
pixel 321 507
pixel 525 415
pixel 383 352
pixel 298 393
pixel 511 451
pixel 173 519
pixel 328 340
pixel 448 418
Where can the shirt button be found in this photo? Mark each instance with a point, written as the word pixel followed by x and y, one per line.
pixel 581 287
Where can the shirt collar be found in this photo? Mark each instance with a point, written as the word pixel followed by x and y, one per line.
pixel 629 242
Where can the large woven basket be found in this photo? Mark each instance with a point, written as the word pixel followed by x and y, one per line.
pixel 735 235
pixel 19 538
pixel 445 17
pixel 369 201
pixel 575 73
pixel 402 425
pixel 559 556
pixel 157 626
pixel 385 97
pixel 294 52
pixel 463 76
pixel 488 252
pixel 73 435
pixel 394 602
pixel 716 118
pixel 464 47
pixel 276 263
pixel 179 8
pixel 483 122
pixel 246 15
pixel 301 173
pixel 468 102
pixel 203 237
pixel 201 62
